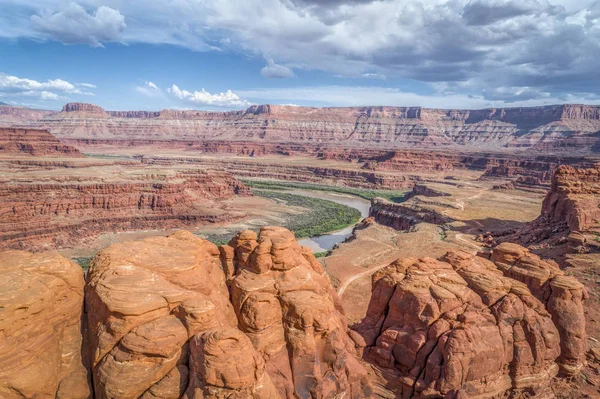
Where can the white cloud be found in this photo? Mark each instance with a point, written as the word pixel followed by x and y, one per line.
pixel 50 90
pixel 72 25
pixel 370 75
pixel 149 89
pixel 226 100
pixel 276 71
pixel 88 85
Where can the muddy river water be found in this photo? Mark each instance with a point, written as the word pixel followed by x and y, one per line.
pixel 326 242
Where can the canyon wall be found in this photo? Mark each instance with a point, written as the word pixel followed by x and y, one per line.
pixel 34 142
pixel 561 128
pixel 405 215
pixel 58 208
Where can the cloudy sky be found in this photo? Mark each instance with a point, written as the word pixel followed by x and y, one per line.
pixel 228 54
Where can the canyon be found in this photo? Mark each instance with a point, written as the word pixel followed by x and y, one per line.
pixel 475 276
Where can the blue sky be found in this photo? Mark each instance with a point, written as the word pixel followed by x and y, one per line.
pixel 228 54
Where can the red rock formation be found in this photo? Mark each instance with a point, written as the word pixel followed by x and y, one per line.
pixel 34 142
pixel 286 305
pixel 470 327
pixel 161 324
pixel 405 215
pixel 145 300
pixel 452 332
pixel 563 296
pixel 572 205
pixel 81 107
pixel 41 304
pixel 574 198
pixel 68 208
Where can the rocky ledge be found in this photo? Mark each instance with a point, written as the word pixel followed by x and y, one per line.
pixel 34 142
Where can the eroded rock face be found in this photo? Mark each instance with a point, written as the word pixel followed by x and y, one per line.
pixel 467 327
pixel 144 301
pixel 574 198
pixel 287 307
pixel 41 304
pixel 562 295
pixel 224 364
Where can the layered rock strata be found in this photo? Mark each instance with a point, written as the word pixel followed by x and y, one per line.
pixel 571 208
pixel 403 216
pixel 64 209
pixel 41 306
pixel 467 327
pixel 34 142
pixel 551 128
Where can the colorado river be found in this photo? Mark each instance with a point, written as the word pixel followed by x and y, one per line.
pixel 326 242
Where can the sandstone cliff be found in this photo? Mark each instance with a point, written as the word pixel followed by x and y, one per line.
pixel 162 325
pixel 62 207
pixel 571 206
pixel 41 297
pixel 34 142
pixel 546 129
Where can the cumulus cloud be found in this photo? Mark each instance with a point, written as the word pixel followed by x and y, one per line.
pixel 50 90
pixel 74 25
pixel 470 46
pixel 227 100
pixel 276 71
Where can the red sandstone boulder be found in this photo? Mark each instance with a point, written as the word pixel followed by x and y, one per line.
pixel 286 305
pixel 461 328
pixel 41 304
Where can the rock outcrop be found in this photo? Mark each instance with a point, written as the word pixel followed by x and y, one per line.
pixel 287 306
pixel 403 216
pixel 145 300
pixel 41 305
pixel 161 323
pixel 34 142
pixel 563 296
pixel 574 198
pixel 571 209
pixel 467 327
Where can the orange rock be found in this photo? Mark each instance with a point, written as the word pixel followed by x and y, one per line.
pixel 286 305
pixel 145 300
pixel 458 329
pixel 41 297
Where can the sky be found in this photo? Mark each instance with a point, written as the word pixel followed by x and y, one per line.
pixel 230 54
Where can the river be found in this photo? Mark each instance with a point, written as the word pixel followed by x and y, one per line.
pixel 326 242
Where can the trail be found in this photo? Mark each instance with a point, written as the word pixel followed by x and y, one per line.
pixel 360 275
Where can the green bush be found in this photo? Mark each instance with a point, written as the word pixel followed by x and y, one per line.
pixel 392 195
